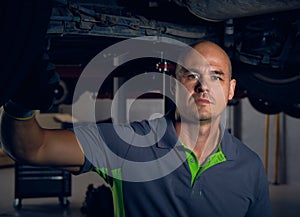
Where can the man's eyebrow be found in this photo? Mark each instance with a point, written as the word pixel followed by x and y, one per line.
pixel 217 72
pixel 212 72
pixel 193 70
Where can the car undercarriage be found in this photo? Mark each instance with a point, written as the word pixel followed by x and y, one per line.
pixel 261 38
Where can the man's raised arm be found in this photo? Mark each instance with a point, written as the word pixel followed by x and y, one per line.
pixel 22 137
pixel 27 142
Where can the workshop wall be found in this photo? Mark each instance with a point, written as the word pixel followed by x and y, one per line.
pixel 253 134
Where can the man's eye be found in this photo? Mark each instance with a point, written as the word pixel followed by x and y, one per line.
pixel 215 78
pixel 192 76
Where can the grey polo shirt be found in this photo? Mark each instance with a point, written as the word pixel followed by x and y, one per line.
pixel 232 182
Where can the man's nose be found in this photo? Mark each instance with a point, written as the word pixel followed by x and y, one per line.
pixel 201 86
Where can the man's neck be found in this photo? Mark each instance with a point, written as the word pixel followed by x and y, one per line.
pixel 202 138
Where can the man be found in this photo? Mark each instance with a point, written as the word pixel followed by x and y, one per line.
pixel 193 168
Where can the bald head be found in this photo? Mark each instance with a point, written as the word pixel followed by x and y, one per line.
pixel 211 54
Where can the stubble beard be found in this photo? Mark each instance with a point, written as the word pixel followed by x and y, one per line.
pixel 192 114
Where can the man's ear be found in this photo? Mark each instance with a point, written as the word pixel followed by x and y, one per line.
pixel 232 84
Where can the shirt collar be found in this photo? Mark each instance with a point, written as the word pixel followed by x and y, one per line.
pixel 170 140
pixel 229 146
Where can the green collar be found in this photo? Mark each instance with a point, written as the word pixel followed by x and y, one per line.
pixel 195 169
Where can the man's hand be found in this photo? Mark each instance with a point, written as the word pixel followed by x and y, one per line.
pixel 37 89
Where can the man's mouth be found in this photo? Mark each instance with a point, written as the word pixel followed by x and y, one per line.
pixel 202 101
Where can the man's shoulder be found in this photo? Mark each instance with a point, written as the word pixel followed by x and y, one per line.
pixel 243 152
pixel 155 125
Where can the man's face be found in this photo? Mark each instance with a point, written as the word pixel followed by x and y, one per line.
pixel 207 83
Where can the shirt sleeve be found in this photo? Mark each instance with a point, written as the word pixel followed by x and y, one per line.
pixel 261 207
pixel 86 167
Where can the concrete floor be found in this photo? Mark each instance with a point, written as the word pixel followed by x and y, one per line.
pixel 44 207
pixel 285 199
